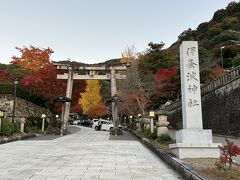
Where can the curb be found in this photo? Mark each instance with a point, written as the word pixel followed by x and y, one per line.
pixel 17 138
pixel 226 136
pixel 178 165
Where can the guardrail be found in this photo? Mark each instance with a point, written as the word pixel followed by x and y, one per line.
pixel 221 80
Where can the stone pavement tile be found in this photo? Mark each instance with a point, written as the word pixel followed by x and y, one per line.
pixel 112 168
pixel 20 177
pixel 107 176
pixel 123 177
pixel 147 178
pixel 136 177
pixel 96 163
pixel 93 171
pixel 170 178
pixel 152 172
pixel 73 177
pixel 119 167
pixel 54 178
pixel 79 167
pixel 123 173
pixel 95 167
pixel 77 172
pixel 136 172
pixel 90 176
pixel 14 172
pixel 29 172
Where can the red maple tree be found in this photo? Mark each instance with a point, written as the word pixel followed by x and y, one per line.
pixel 4 78
pixel 164 83
pixel 46 84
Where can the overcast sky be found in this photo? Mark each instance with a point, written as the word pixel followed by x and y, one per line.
pixel 92 31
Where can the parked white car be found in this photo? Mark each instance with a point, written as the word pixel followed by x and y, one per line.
pixel 106 125
pixel 95 123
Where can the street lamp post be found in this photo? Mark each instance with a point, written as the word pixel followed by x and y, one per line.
pixel 43 121
pixel 16 82
pixel 131 117
pixel 151 115
pixel 222 55
pixel 57 116
pixel 1 116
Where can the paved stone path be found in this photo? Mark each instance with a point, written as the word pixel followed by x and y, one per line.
pixel 86 154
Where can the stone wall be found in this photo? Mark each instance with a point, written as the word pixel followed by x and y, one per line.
pixel 220 105
pixel 23 108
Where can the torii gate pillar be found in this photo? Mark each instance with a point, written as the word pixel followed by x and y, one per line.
pixel 114 104
pixel 69 95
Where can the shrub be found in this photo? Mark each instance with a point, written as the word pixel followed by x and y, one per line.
pixel 37 122
pixel 32 129
pixel 165 138
pixel 51 129
pixel 7 127
pixel 236 61
pixel 227 152
pixel 147 133
pixel 17 128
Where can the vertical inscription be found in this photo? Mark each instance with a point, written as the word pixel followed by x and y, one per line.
pixel 190 85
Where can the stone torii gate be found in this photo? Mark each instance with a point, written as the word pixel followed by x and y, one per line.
pixel 91 73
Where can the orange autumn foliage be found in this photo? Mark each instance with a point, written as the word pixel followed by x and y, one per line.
pixel 97 111
pixel 32 59
pixel 217 71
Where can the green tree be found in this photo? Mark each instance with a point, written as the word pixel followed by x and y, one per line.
pixel 236 61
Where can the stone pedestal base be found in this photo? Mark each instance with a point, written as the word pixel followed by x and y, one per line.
pixel 162 130
pixel 195 143
pixel 22 127
pixel 147 126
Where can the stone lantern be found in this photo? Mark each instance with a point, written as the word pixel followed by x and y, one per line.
pixel 1 116
pixel 162 123
pixel 63 100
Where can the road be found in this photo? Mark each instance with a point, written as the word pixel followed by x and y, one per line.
pixel 85 154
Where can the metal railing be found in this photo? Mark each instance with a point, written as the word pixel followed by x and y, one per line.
pixel 218 82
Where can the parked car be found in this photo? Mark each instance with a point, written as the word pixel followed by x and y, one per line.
pixel 87 123
pixel 95 123
pixel 76 122
pixel 105 125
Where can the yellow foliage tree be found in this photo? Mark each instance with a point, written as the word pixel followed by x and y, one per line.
pixel 91 96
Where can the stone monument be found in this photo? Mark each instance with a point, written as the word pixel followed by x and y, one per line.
pixel 192 141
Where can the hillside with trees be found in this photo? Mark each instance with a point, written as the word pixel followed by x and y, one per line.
pixel 158 68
